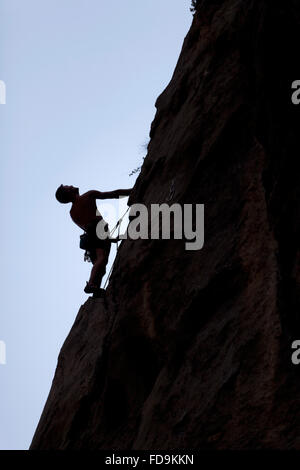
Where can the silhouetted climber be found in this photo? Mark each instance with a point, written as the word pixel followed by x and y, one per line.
pixel 84 213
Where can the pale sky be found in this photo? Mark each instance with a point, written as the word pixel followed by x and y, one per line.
pixel 82 77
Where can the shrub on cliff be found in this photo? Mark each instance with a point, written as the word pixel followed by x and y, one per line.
pixel 194 6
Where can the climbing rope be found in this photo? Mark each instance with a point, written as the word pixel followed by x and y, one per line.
pixel 118 224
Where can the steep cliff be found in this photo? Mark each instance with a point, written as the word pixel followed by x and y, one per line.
pixel 192 349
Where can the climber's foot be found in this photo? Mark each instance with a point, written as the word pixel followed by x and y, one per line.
pixel 90 288
pixel 96 291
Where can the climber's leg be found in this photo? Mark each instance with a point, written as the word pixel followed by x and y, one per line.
pixel 98 269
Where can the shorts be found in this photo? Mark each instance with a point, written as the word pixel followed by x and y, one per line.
pixel 90 241
pixel 93 241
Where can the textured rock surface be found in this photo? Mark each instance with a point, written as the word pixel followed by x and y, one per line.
pixel 193 348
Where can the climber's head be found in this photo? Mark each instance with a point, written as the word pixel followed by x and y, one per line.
pixel 65 194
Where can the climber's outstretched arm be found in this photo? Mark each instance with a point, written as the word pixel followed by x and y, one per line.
pixel 109 194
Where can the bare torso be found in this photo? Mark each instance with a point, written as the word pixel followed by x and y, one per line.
pixel 84 210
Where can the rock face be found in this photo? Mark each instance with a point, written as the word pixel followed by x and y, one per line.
pixel 192 349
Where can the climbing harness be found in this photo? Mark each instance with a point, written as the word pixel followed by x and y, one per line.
pixel 85 239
